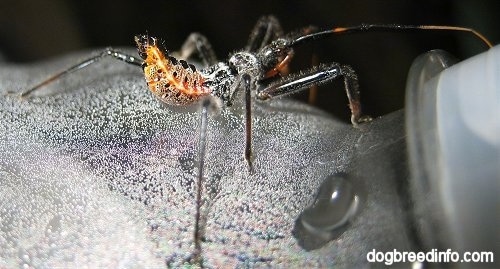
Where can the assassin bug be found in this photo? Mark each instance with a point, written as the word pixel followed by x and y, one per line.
pixel 257 69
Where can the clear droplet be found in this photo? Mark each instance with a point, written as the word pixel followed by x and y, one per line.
pixel 335 204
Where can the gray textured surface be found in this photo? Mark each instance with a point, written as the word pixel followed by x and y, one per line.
pixel 95 171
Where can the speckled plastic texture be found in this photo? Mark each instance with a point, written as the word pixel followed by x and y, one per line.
pixel 96 172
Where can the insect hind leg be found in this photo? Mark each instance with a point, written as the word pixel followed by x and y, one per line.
pixel 109 52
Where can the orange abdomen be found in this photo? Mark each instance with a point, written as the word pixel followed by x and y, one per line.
pixel 172 81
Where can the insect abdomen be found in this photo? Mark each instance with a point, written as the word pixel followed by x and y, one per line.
pixel 172 81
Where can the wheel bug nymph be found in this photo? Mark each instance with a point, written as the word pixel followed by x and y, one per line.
pixel 268 52
pixel 258 69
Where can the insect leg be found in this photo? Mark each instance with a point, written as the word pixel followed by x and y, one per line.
pixel 106 53
pixel 267 29
pixel 248 119
pixel 245 81
pixel 199 225
pixel 318 75
pixel 199 44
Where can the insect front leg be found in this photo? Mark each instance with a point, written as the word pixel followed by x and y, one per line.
pixel 247 84
pixel 318 75
pixel 106 53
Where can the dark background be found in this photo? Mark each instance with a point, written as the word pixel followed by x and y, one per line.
pixel 36 30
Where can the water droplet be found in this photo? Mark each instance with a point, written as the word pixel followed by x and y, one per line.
pixel 335 204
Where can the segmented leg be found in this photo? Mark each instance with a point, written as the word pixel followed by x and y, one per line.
pixel 199 225
pixel 247 83
pixel 265 30
pixel 318 75
pixel 199 228
pixel 106 53
pixel 197 43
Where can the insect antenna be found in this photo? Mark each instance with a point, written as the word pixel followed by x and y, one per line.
pixel 388 28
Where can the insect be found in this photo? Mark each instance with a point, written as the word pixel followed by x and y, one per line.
pixel 259 70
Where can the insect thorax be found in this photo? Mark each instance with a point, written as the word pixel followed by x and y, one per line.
pixel 219 78
pixel 246 62
pixel 222 77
